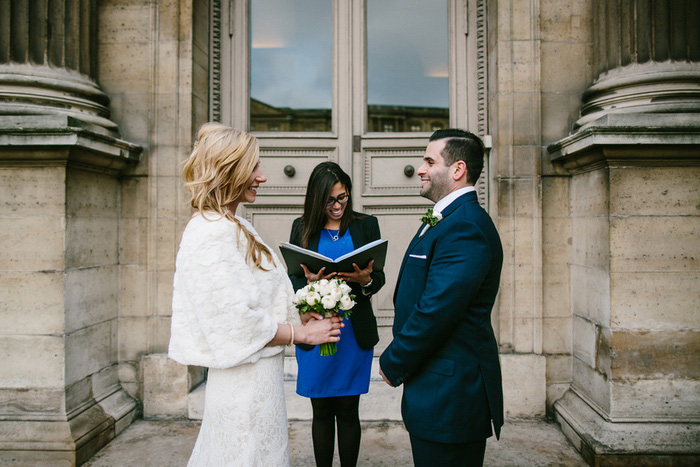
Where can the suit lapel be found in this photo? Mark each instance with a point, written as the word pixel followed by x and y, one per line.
pixel 471 196
pixel 414 241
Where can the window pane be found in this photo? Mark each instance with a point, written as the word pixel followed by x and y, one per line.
pixel 291 65
pixel 407 82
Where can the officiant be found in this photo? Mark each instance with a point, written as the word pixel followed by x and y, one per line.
pixel 334 383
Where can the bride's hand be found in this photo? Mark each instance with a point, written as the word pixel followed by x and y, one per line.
pixel 316 332
pixel 306 317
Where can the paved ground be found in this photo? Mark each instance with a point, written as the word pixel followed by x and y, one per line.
pixel 160 443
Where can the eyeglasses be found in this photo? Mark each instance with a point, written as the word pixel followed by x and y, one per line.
pixel 342 199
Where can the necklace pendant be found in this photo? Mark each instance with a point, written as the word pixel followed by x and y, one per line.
pixel 334 238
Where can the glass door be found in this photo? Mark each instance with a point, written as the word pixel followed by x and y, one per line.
pixel 359 82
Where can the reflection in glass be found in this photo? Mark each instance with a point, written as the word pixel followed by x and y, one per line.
pixel 407 80
pixel 291 65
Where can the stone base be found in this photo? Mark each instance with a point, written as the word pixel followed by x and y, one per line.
pixel 605 443
pixel 70 441
pixel 523 386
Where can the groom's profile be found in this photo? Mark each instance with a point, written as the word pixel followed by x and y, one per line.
pixel 444 351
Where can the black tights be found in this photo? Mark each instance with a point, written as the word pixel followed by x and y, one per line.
pixel 328 411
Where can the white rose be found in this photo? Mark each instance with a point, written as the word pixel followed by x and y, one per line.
pixel 345 288
pixel 328 302
pixel 312 298
pixel 336 293
pixel 346 303
pixel 300 296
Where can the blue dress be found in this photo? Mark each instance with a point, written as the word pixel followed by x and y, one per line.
pixel 346 373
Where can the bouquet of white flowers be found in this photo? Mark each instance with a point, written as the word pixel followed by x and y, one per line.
pixel 328 298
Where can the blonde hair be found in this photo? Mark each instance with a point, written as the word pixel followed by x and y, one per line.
pixel 216 175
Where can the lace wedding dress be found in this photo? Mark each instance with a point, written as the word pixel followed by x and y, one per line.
pixel 245 418
pixel 224 312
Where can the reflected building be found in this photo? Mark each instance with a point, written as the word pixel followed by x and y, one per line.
pixel 381 118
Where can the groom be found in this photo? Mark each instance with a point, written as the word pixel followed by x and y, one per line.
pixel 444 350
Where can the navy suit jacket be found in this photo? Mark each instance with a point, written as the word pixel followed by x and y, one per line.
pixel 444 350
pixel 363 229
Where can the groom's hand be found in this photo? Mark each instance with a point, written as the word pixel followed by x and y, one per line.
pixel 385 379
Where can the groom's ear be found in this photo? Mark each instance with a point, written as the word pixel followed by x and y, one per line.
pixel 459 170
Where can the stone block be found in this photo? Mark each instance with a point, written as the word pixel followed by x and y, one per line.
pixel 559 112
pixel 23 310
pixel 524 385
pixel 32 191
pixel 516 197
pixel 654 191
pixel 655 301
pixel 556 334
pixel 165 387
pixel 585 339
pixel 526 116
pixel 590 243
pixel 168 159
pixel 522 21
pixel 164 296
pixel 592 384
pixel 167 191
pixel 133 291
pixel 135 122
pixel 570 56
pixel 125 23
pixel 91 296
pixel 31 402
pixel 101 339
pixel 656 354
pixel 134 201
pixel 133 241
pixel 32 244
pixel 524 334
pixel 589 194
pixel 126 67
pixel 559 368
pixel 646 244
pixel 504 136
pixel 161 339
pixel 32 362
pixel 522 68
pixel 673 400
pixel 556 291
pixel 555 198
pixel 592 306
pixel 605 442
pixel 90 194
pixel 557 240
pixel 167 242
pixel 555 21
pixel 133 338
pixel 91 241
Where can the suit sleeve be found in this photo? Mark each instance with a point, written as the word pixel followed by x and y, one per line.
pixel 460 261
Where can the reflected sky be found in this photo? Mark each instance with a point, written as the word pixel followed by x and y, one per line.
pixel 291 53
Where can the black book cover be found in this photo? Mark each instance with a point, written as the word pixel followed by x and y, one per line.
pixel 294 256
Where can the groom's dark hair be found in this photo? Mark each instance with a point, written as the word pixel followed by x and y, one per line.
pixel 462 145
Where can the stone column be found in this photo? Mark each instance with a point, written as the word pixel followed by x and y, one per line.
pixel 60 155
pixel 635 164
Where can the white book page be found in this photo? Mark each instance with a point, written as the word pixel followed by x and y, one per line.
pixel 359 250
pixel 314 254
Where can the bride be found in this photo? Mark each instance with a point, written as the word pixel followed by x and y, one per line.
pixel 232 308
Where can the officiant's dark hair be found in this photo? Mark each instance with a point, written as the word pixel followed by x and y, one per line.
pixel 464 146
pixel 321 181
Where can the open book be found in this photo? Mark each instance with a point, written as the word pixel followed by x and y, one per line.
pixel 295 256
